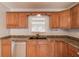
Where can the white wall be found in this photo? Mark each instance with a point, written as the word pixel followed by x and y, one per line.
pixel 3 30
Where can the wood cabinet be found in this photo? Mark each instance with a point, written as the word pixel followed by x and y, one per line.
pixel 64 49
pixel 72 51
pixel 17 20
pixel 37 48
pixel 58 48
pixel 43 48
pixel 23 20
pixel 54 20
pixel 31 48
pixel 65 20
pixel 6 48
pixel 52 48
pixel 12 20
pixel 75 17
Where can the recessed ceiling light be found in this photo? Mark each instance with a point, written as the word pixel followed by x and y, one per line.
pixel 38 14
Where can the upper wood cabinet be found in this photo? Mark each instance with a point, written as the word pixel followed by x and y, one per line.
pixel 65 20
pixel 17 20
pixel 54 20
pixel 23 20
pixel 12 20
pixel 75 17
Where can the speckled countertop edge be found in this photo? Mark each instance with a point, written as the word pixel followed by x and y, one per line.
pixel 68 39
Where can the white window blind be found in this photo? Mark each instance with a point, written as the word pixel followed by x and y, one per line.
pixel 38 24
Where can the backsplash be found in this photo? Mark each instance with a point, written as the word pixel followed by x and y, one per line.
pixel 73 32
pixel 27 32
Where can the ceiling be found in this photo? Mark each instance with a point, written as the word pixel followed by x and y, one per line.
pixel 38 6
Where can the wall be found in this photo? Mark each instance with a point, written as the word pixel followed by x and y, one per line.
pixel 3 30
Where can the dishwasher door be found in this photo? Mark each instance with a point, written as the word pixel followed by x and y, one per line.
pixel 18 49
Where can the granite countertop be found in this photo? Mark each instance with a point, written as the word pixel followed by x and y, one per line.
pixel 72 42
pixel 68 39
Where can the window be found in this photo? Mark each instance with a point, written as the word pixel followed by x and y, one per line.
pixel 38 23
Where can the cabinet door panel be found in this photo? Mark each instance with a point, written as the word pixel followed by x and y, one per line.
pixel 31 50
pixel 65 21
pixel 58 48
pixel 54 20
pixel 12 20
pixel 75 16
pixel 6 48
pixel 22 21
pixel 42 50
pixel 52 48
pixel 6 51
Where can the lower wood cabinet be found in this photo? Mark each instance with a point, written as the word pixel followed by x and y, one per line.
pixel 42 48
pixel 31 48
pixel 52 48
pixel 58 48
pixel 72 51
pixel 6 48
pixel 39 48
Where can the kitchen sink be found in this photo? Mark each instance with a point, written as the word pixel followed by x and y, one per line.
pixel 38 37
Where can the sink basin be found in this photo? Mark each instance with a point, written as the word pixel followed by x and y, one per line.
pixel 41 37
pixel 38 37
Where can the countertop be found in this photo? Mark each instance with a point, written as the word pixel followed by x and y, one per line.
pixel 68 39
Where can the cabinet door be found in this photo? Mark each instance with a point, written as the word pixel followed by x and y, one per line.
pixel 58 48
pixel 42 51
pixel 65 19
pixel 72 51
pixel 54 20
pixel 23 20
pixel 12 20
pixel 64 49
pixel 75 16
pixel 31 48
pixel 42 48
pixel 6 48
pixel 52 48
